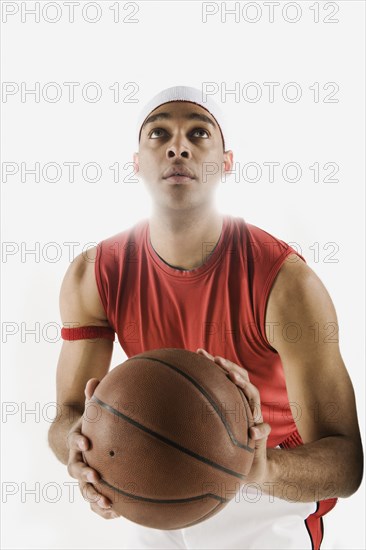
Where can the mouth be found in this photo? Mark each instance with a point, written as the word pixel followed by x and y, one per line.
pixel 179 174
pixel 179 179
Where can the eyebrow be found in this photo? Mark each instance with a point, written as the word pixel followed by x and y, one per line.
pixel 190 116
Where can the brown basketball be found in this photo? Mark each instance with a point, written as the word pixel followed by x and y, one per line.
pixel 169 438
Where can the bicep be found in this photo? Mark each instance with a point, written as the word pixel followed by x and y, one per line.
pixel 318 385
pixel 81 360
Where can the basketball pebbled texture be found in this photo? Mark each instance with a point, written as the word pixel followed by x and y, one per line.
pixel 169 435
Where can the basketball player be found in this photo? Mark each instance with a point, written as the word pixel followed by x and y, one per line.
pixel 191 277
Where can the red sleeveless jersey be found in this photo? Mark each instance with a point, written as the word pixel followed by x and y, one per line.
pixel 219 306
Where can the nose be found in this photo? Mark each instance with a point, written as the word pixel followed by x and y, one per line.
pixel 178 151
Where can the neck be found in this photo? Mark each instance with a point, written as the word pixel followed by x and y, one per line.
pixel 185 240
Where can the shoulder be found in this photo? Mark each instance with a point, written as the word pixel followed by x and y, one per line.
pixel 299 296
pixel 293 279
pixel 266 247
pixel 79 294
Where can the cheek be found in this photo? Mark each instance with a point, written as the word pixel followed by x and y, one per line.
pixel 212 167
pixel 148 163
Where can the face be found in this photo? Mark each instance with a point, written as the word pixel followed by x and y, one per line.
pixel 181 138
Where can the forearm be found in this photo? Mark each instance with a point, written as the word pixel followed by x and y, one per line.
pixel 57 434
pixel 327 468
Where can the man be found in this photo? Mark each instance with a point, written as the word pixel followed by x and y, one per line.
pixel 192 278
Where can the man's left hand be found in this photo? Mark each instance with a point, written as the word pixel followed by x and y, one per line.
pixel 261 430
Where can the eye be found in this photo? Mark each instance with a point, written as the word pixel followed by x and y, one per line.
pixel 201 130
pixel 195 131
pixel 156 130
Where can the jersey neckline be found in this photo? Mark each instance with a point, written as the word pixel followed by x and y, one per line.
pixel 190 274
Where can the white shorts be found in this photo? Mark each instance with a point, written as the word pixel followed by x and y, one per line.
pixel 251 520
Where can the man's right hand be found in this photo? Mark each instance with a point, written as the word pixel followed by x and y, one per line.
pixel 82 472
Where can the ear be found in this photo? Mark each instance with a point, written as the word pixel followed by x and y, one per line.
pixel 136 162
pixel 228 160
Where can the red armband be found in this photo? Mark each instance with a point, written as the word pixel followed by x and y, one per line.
pixel 87 333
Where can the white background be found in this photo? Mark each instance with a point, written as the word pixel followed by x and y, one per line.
pixel 168 45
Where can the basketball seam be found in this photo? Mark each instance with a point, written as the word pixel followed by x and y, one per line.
pixel 165 501
pixel 208 397
pixel 165 439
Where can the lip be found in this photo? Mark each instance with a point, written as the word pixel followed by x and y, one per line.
pixel 179 179
pixel 180 171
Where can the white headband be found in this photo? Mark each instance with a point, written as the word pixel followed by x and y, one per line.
pixel 182 93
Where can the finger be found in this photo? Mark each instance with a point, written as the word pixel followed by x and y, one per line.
pixel 81 471
pixel 77 442
pixel 90 387
pixel 260 431
pixel 230 366
pixel 106 514
pixel 252 395
pixel 76 457
pixel 91 475
pixel 240 379
pixel 205 353
pixel 91 494
pixel 75 463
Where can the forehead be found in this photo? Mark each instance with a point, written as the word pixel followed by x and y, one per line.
pixel 180 109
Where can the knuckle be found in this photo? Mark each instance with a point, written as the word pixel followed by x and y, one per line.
pixel 70 469
pixel 254 392
pixel 88 474
pixel 74 468
pixel 72 440
pixel 88 491
pixel 84 475
pixel 87 495
pixel 69 440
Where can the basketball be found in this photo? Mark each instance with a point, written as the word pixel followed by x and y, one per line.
pixel 169 436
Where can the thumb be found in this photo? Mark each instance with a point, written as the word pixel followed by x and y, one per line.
pixel 90 388
pixel 260 433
